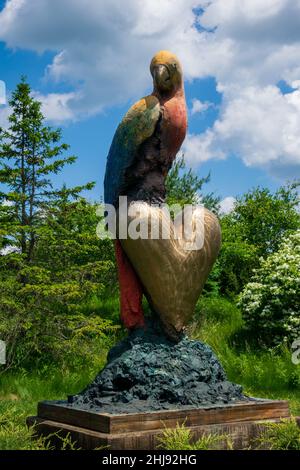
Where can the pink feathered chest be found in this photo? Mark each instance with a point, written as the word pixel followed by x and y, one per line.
pixel 173 125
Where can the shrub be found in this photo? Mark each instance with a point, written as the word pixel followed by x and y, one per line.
pixel 263 372
pixel 47 313
pixel 181 438
pixel 280 436
pixel 14 434
pixel 271 302
pixel 235 264
pixel 42 322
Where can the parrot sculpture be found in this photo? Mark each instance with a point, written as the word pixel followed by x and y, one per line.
pixel 141 154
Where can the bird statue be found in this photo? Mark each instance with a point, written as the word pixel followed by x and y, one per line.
pixel 143 149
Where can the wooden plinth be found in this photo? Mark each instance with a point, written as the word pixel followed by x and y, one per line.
pixel 91 429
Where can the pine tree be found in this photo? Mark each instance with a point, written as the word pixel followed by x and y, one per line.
pixel 59 264
pixel 30 152
pixel 185 187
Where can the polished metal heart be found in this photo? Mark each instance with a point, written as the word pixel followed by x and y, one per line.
pixel 173 274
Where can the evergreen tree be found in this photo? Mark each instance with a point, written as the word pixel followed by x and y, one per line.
pixel 30 152
pixel 52 262
pixel 185 187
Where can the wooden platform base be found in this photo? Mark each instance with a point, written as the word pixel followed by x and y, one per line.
pixel 91 430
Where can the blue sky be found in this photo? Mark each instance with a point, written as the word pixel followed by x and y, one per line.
pixel 242 79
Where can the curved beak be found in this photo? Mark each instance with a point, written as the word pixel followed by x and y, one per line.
pixel 161 74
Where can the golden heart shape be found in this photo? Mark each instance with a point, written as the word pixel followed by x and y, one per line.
pixel 172 273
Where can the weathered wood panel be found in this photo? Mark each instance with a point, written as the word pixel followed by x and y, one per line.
pixel 242 434
pixel 106 423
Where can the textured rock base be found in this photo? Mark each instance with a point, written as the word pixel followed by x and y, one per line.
pixel 147 372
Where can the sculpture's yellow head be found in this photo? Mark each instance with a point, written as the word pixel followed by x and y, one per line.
pixel 166 72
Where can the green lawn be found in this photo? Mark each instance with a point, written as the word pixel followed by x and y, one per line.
pixel 19 395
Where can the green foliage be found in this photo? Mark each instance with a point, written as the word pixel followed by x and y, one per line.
pixel 218 310
pixel 105 306
pixel 20 392
pixel 57 263
pixel 268 373
pixel 254 229
pixel 43 315
pixel 29 153
pixel 271 301
pixel 185 187
pixel 42 320
pixel 235 265
pixel 280 436
pixel 263 219
pixel 181 438
pixel 41 336
pixel 14 435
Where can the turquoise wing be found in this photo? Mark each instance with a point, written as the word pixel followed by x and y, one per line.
pixel 137 125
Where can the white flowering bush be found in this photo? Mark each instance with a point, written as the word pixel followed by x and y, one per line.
pixel 271 302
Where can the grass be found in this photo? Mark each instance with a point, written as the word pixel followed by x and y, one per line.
pixel 263 373
pixel 19 394
pixel 280 436
pixel 284 435
pixel 180 438
pixel 106 307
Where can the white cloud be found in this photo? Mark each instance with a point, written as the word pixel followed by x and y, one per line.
pixel 9 249
pixel 2 92
pixel 103 51
pixel 55 106
pixel 199 106
pixel 259 125
pixel 227 205
pixel 4 113
pixel 7 203
pixel 197 149
pixel 257 122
